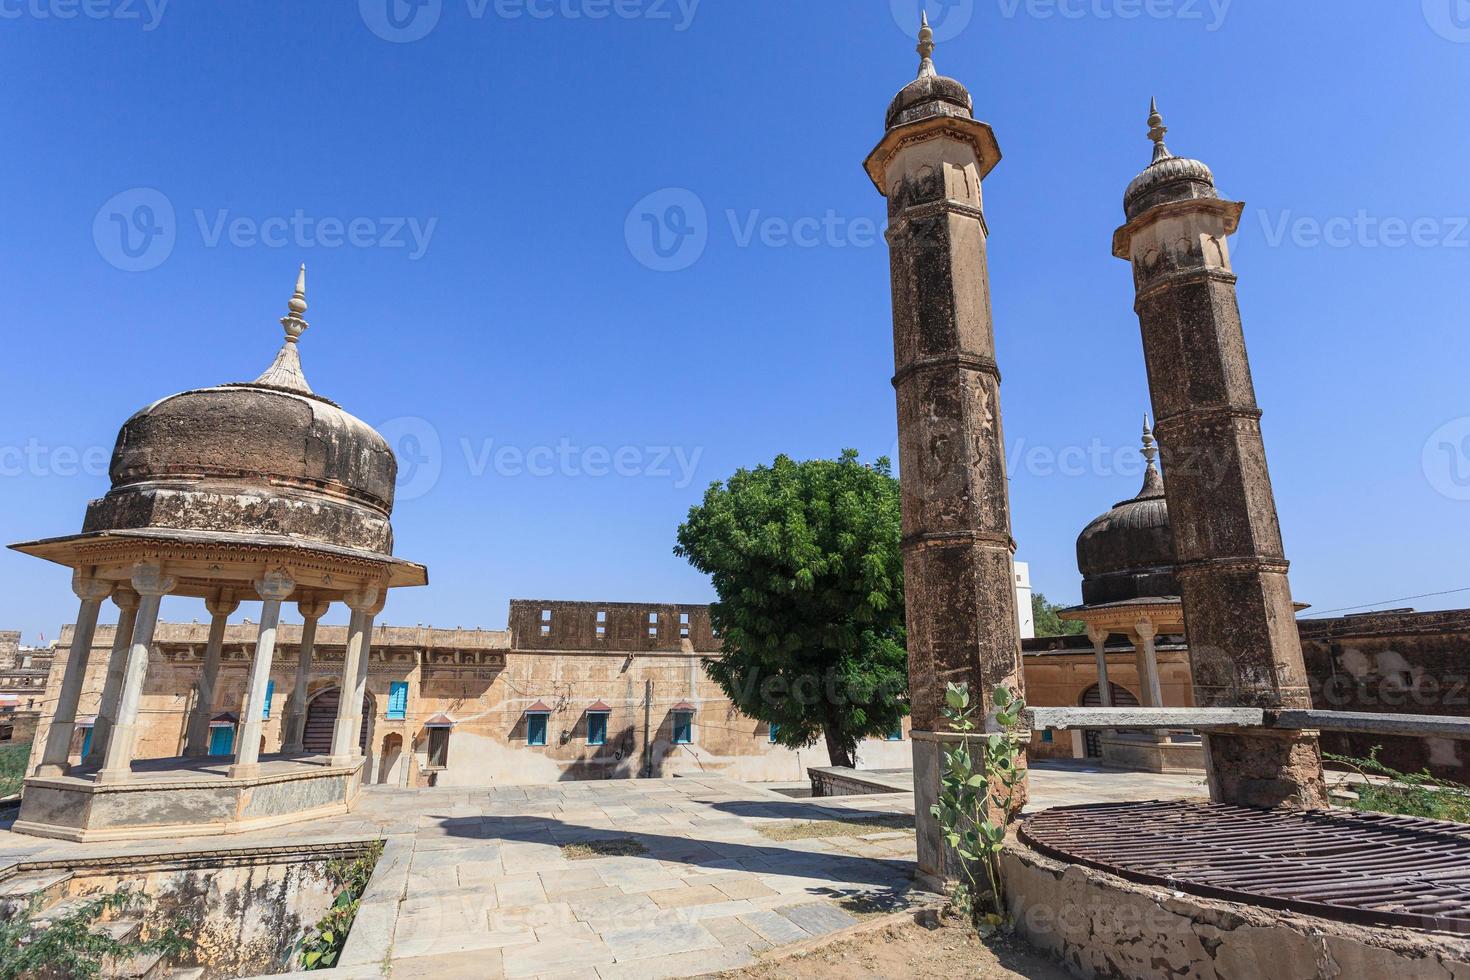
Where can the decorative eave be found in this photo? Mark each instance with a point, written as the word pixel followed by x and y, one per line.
pixel 972 131
pixel 539 708
pixel 599 707
pixel 440 720
pixel 206 559
pixel 682 706
pixel 1229 212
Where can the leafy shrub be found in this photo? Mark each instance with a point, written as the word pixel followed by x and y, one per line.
pixel 322 945
pixel 1408 794
pixel 68 947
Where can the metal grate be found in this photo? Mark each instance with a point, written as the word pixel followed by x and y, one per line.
pixel 1374 869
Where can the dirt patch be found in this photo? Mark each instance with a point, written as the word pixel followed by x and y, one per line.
pixel 586 850
pixel 856 827
pixel 950 949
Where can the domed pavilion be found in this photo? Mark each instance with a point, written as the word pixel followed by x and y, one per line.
pixel 261 490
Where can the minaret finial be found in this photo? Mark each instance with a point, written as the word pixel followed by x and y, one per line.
pixel 1150 450
pixel 926 48
pixel 285 370
pixel 1153 482
pixel 1156 131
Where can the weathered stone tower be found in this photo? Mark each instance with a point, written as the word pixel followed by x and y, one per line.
pixel 1243 642
pixel 962 624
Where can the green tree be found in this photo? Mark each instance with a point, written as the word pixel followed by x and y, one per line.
pixel 805 560
pixel 1049 621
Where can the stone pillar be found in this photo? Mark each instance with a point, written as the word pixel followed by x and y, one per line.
pixel 1243 642
pixel 126 601
pixel 1099 638
pixel 294 724
pixel 221 608
pixel 57 752
pixel 1143 635
pixel 274 588
pixel 365 605
pixel 958 575
pixel 152 585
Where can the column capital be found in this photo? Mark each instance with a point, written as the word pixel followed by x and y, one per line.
pixel 88 588
pixel 1097 634
pixel 313 608
pixel 125 598
pixel 1145 629
pixel 222 604
pixel 276 584
pixel 370 599
pixel 148 579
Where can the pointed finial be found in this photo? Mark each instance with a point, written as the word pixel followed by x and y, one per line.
pixel 285 371
pixel 1156 131
pixel 295 326
pixel 926 48
pixel 1150 450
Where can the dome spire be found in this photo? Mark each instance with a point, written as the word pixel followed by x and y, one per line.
pixel 1153 483
pixel 285 371
pixel 1157 131
pixel 926 48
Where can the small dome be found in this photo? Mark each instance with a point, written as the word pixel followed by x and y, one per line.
pixel 1168 178
pixel 1128 553
pixel 931 94
pixel 268 457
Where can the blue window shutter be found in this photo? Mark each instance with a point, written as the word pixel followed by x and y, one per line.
pixel 683 724
pixel 775 730
pixel 270 692
pixel 597 728
pixel 221 740
pixel 87 742
pixel 536 729
pixel 398 700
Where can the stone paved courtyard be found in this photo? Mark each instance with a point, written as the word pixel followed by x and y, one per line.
pixel 474 882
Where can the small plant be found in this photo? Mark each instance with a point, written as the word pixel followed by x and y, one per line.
pixel 321 947
pixel 68 947
pixel 589 849
pixel 977 799
pixel 1408 794
pixel 13 767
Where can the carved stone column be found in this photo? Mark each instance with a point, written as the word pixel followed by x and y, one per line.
pixel 958 574
pixel 294 724
pixel 57 752
pixel 1243 642
pixel 126 601
pixel 1143 635
pixel 1099 638
pixel 221 608
pixel 152 585
pixel 274 588
pixel 365 605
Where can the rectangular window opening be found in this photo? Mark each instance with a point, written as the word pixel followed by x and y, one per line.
pixel 653 624
pixel 270 693
pixel 398 700
pixel 601 623
pixel 536 728
pixel 773 731
pixel 546 622
pixel 683 727
pixel 597 728
pixel 438 748
pixel 684 626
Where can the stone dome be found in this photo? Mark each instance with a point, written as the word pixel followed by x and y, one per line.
pixel 1168 178
pixel 263 458
pixel 1128 553
pixel 931 94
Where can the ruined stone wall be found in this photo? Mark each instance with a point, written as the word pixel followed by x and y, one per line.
pixel 1399 663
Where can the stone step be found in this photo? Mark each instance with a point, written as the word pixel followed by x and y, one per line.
pixel 37 889
pixel 149 966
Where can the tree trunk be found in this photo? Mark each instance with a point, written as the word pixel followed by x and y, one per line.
pixel 839 752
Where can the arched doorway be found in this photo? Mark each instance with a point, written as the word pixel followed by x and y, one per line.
pixel 391 758
pixel 1092 698
pixel 321 720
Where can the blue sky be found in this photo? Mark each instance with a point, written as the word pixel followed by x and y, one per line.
pixel 485 285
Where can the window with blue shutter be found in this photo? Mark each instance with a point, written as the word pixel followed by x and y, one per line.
pixel 270 692
pixel 683 727
pixel 221 739
pixel 87 743
pixel 897 734
pixel 597 728
pixel 398 700
pixel 774 731
pixel 536 728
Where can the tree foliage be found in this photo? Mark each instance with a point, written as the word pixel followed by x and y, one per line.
pixel 1048 621
pixel 805 560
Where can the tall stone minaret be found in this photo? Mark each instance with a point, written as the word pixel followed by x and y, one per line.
pixel 958 580
pixel 1243 642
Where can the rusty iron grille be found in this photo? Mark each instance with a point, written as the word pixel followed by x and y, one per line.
pixel 1369 868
